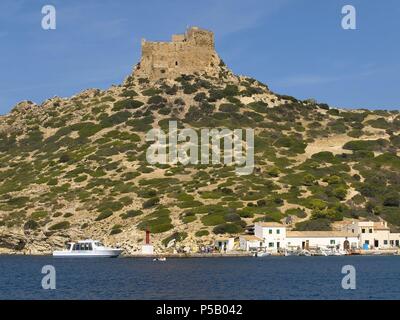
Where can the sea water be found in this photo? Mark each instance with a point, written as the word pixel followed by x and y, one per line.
pixel 377 277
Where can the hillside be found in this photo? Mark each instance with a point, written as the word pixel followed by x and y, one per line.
pixel 76 167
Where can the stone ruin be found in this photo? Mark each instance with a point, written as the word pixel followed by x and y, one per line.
pixel 187 53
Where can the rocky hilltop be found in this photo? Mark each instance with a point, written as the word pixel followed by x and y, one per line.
pixel 73 168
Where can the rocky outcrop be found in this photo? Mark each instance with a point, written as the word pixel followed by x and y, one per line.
pixel 12 241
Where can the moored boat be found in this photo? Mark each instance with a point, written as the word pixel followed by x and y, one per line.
pixel 87 249
pixel 162 259
pixel 261 254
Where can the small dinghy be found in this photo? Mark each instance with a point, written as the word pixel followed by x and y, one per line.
pixel 263 254
pixel 160 259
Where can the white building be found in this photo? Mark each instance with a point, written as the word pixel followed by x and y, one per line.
pixel 224 244
pixel 272 235
pixel 338 240
pixel 373 235
pixel 250 243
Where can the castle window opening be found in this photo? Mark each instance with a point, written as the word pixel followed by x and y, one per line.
pixel 176 63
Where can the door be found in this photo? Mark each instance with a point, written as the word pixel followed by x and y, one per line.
pixel 376 243
pixel 303 245
pixel 346 245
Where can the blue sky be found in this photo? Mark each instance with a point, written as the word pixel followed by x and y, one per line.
pixel 297 47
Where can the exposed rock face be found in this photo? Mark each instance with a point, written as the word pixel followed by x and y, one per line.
pixel 12 241
pixel 188 53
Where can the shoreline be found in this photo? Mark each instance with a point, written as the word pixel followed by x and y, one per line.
pixel 211 255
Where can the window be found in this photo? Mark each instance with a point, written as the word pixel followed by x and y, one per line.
pixel 370 230
pixel 270 231
pixel 278 231
pixel 271 244
pixel 332 242
pixel 362 230
pixel 366 242
pixel 176 63
pixel 385 242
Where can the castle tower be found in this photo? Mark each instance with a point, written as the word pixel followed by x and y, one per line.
pixel 186 54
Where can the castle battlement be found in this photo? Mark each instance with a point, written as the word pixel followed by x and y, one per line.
pixel 187 53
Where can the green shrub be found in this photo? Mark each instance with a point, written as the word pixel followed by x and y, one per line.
pixel 177 236
pixel 202 233
pixel 228 107
pixel 156 100
pixel 151 203
pixel 232 217
pixel 111 205
pixel 129 93
pixel 60 226
pixel 37 215
pixel 151 92
pixel 157 222
pixel 115 231
pixel 231 90
pixel 31 225
pixel 89 130
pixel 131 214
pixel 227 228
pixel 392 200
pixel 127 104
pixel 258 106
pixel 296 212
pixel 369 145
pixel 314 225
pixel 213 219
pixel 104 215
pixel 114 119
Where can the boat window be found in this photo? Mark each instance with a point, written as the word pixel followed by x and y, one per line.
pixel 90 246
pixel 76 247
pixel 68 246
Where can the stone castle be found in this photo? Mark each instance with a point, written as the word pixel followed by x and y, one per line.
pixel 187 53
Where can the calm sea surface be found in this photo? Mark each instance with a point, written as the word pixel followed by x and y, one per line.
pixel 201 278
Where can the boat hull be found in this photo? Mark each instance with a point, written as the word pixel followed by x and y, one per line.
pixel 110 253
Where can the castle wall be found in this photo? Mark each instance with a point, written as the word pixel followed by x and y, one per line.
pixel 188 53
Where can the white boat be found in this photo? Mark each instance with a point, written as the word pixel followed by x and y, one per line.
pixel 87 249
pixel 320 252
pixel 263 254
pixel 160 259
pixel 304 252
